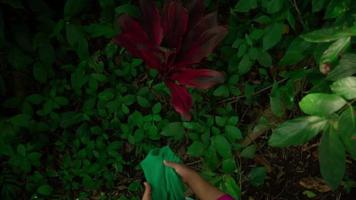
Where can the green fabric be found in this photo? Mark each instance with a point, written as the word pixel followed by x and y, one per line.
pixel 165 182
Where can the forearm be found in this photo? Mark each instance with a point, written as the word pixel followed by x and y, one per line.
pixel 203 189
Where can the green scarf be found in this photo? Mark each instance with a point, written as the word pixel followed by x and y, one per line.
pixel 164 181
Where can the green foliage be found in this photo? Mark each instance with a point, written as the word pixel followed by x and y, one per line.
pixel 78 113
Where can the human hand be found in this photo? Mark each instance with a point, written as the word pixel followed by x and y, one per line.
pixel 185 172
pixel 147 193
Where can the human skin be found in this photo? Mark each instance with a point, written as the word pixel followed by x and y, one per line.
pixel 201 188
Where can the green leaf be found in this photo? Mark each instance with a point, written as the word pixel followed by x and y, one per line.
pixel 264 59
pixel 21 120
pixel 45 190
pixel 77 40
pixel 100 30
pixel 321 104
pixel 329 34
pixel 229 165
pixel 334 50
pixel 332 158
pixel 295 52
pixel 74 7
pixel 39 72
pixel 249 152
pixel 128 9
pixel 345 68
pixel 174 129
pixel 106 95
pixel 245 5
pixel 233 132
pixel 221 91
pixel 222 146
pixel 296 131
pixel 337 8
pixel 196 149
pixel 274 6
pixel 347 129
pixel 257 176
pixel 143 102
pixel 157 108
pixel 345 87
pixel 245 65
pixel 276 103
pixel 231 187
pixel 272 35
pixel 317 5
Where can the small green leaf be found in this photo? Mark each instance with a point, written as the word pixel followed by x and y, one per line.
pixel 345 68
pixel 264 59
pixel 45 190
pixel 143 102
pixel 21 120
pixel 345 87
pixel 39 72
pixel 329 34
pixel 248 152
pixel 128 9
pixel 100 30
pixel 245 65
pixel 174 129
pixel 332 158
pixel 196 149
pixel 296 131
pixel 272 35
pixel 337 8
pixel 274 6
pixel 231 187
pixel 74 7
pixel 233 132
pixel 321 104
pixel 222 146
pixel 106 95
pixel 157 108
pixel 245 5
pixel 229 165
pixel 221 91
pixel 257 176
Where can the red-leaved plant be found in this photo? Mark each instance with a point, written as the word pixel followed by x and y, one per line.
pixel 173 41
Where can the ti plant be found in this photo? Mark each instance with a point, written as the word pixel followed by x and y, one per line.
pixel 173 43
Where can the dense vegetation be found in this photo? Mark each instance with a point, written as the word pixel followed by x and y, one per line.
pixel 79 112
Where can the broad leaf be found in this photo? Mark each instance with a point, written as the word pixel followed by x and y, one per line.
pixel 329 34
pixel 274 6
pixel 321 104
pixel 332 158
pixel 345 68
pixel 295 52
pixel 317 5
pixel 74 7
pixel 347 129
pixel 345 87
pixel 273 35
pixel 334 50
pixel 196 149
pixel 296 131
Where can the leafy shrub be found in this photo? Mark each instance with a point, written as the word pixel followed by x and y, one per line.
pixel 78 112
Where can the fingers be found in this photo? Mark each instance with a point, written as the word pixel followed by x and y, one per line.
pixel 170 164
pixel 147 193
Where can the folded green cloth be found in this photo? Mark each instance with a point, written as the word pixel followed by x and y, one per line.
pixel 164 181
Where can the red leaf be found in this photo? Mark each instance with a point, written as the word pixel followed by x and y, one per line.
pixel 207 22
pixel 196 11
pixel 136 41
pixel 152 20
pixel 175 23
pixel 198 78
pixel 181 100
pixel 203 46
